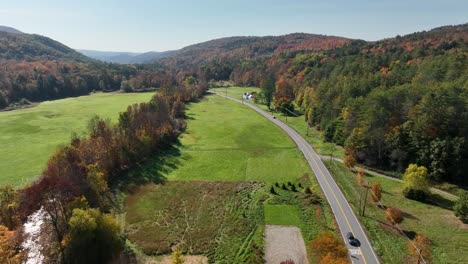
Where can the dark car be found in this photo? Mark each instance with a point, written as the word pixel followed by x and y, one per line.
pixel 352 240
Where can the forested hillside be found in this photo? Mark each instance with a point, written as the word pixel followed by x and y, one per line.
pixel 217 59
pixel 392 102
pixel 37 68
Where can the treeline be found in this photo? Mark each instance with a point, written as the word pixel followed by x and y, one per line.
pixel 76 188
pixel 48 80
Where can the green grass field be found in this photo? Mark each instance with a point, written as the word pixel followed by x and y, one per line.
pixel 312 135
pixel 447 234
pixel 29 136
pixel 226 141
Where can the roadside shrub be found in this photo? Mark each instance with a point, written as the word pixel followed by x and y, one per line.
pixel 284 187
pixel 329 248
pixel 272 190
pixel 307 190
pixel 461 207
pixel 376 193
pixel 423 243
pixel 360 177
pixel 293 188
pixel 177 257
pixel 393 215
pixel 287 262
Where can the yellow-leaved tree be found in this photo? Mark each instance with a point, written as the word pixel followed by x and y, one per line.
pixel 416 183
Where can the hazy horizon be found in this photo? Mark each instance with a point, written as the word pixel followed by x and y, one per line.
pixel 142 26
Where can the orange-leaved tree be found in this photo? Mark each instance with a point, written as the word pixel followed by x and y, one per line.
pixel 328 247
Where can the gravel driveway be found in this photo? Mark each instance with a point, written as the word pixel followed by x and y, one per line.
pixel 284 243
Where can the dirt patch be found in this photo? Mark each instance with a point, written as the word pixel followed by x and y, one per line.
pixel 284 243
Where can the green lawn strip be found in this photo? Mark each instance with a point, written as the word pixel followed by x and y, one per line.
pixel 282 214
pixel 448 237
pixel 28 137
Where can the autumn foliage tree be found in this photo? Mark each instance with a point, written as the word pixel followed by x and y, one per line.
pixel 393 215
pixel 75 187
pixel 420 245
pixel 349 159
pixel 360 177
pixel 9 247
pixel 329 248
pixel 376 193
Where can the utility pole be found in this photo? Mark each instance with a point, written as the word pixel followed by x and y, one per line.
pixel 360 202
pixel 365 202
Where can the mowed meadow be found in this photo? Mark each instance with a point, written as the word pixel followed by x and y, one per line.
pixel 225 180
pixel 29 136
pixel 226 141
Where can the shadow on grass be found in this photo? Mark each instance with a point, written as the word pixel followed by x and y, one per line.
pixel 409 216
pixel 152 169
pixel 410 234
pixel 437 200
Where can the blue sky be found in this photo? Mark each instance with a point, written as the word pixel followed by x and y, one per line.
pixel 163 25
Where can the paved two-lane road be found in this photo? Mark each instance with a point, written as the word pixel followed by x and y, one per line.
pixel 344 215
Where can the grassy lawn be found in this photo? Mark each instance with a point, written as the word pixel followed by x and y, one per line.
pixel 312 135
pixel 226 147
pixel 29 136
pixel 447 234
pixel 282 214
pixel 226 141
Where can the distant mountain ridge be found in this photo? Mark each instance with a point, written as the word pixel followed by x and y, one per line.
pixel 32 47
pixel 252 47
pixel 10 30
pixel 126 57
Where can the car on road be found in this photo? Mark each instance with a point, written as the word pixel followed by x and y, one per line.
pixel 352 240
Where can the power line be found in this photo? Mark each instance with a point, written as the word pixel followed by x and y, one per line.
pixel 399 227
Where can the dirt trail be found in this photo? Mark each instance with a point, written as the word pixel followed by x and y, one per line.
pixel 284 243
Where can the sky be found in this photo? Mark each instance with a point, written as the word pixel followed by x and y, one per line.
pixel 140 26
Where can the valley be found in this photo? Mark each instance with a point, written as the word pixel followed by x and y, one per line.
pixel 281 142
